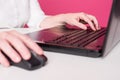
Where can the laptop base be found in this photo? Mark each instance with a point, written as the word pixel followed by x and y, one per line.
pixel 69 50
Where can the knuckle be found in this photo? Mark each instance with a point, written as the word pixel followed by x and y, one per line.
pixel 17 61
pixel 4 35
pixel 26 37
pixel 82 13
pixel 94 17
pixel 13 31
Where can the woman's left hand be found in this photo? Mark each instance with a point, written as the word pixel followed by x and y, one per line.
pixel 71 19
pixel 74 19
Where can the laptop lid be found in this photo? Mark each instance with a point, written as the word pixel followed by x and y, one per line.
pixel 113 30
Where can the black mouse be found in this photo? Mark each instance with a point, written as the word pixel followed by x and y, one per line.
pixel 35 62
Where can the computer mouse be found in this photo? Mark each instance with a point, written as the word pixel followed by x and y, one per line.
pixel 36 61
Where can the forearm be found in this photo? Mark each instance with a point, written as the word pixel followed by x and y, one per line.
pixel 71 19
pixel 52 21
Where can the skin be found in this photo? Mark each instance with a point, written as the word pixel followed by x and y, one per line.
pixel 71 19
pixel 10 39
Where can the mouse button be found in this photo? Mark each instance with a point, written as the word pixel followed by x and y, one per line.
pixel 23 64
pixel 41 58
pixel 44 58
pixel 34 61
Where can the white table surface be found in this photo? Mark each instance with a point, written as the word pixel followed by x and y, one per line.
pixel 69 67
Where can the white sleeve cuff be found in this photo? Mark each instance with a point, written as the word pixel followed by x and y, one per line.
pixel 35 22
pixel 36 14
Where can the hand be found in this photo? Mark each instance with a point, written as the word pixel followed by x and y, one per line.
pixel 74 19
pixel 71 19
pixel 22 43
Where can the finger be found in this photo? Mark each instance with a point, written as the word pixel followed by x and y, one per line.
pixel 86 19
pixel 9 51
pixel 19 46
pixel 3 60
pixel 78 24
pixel 29 43
pixel 95 21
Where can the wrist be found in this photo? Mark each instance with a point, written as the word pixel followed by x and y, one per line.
pixel 52 21
pixel 60 18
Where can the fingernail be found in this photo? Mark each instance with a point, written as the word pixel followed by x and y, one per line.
pixel 6 65
pixel 99 28
pixel 17 59
pixel 85 28
pixel 94 29
pixel 41 52
pixel 26 57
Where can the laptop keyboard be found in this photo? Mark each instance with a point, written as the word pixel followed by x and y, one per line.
pixel 78 38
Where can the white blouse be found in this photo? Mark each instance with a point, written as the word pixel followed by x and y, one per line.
pixel 16 13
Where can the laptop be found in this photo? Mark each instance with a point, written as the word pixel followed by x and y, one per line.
pixel 88 43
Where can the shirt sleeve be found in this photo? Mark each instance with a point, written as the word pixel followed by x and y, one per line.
pixel 36 14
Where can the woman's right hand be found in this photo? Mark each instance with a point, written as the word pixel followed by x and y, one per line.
pixel 16 46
